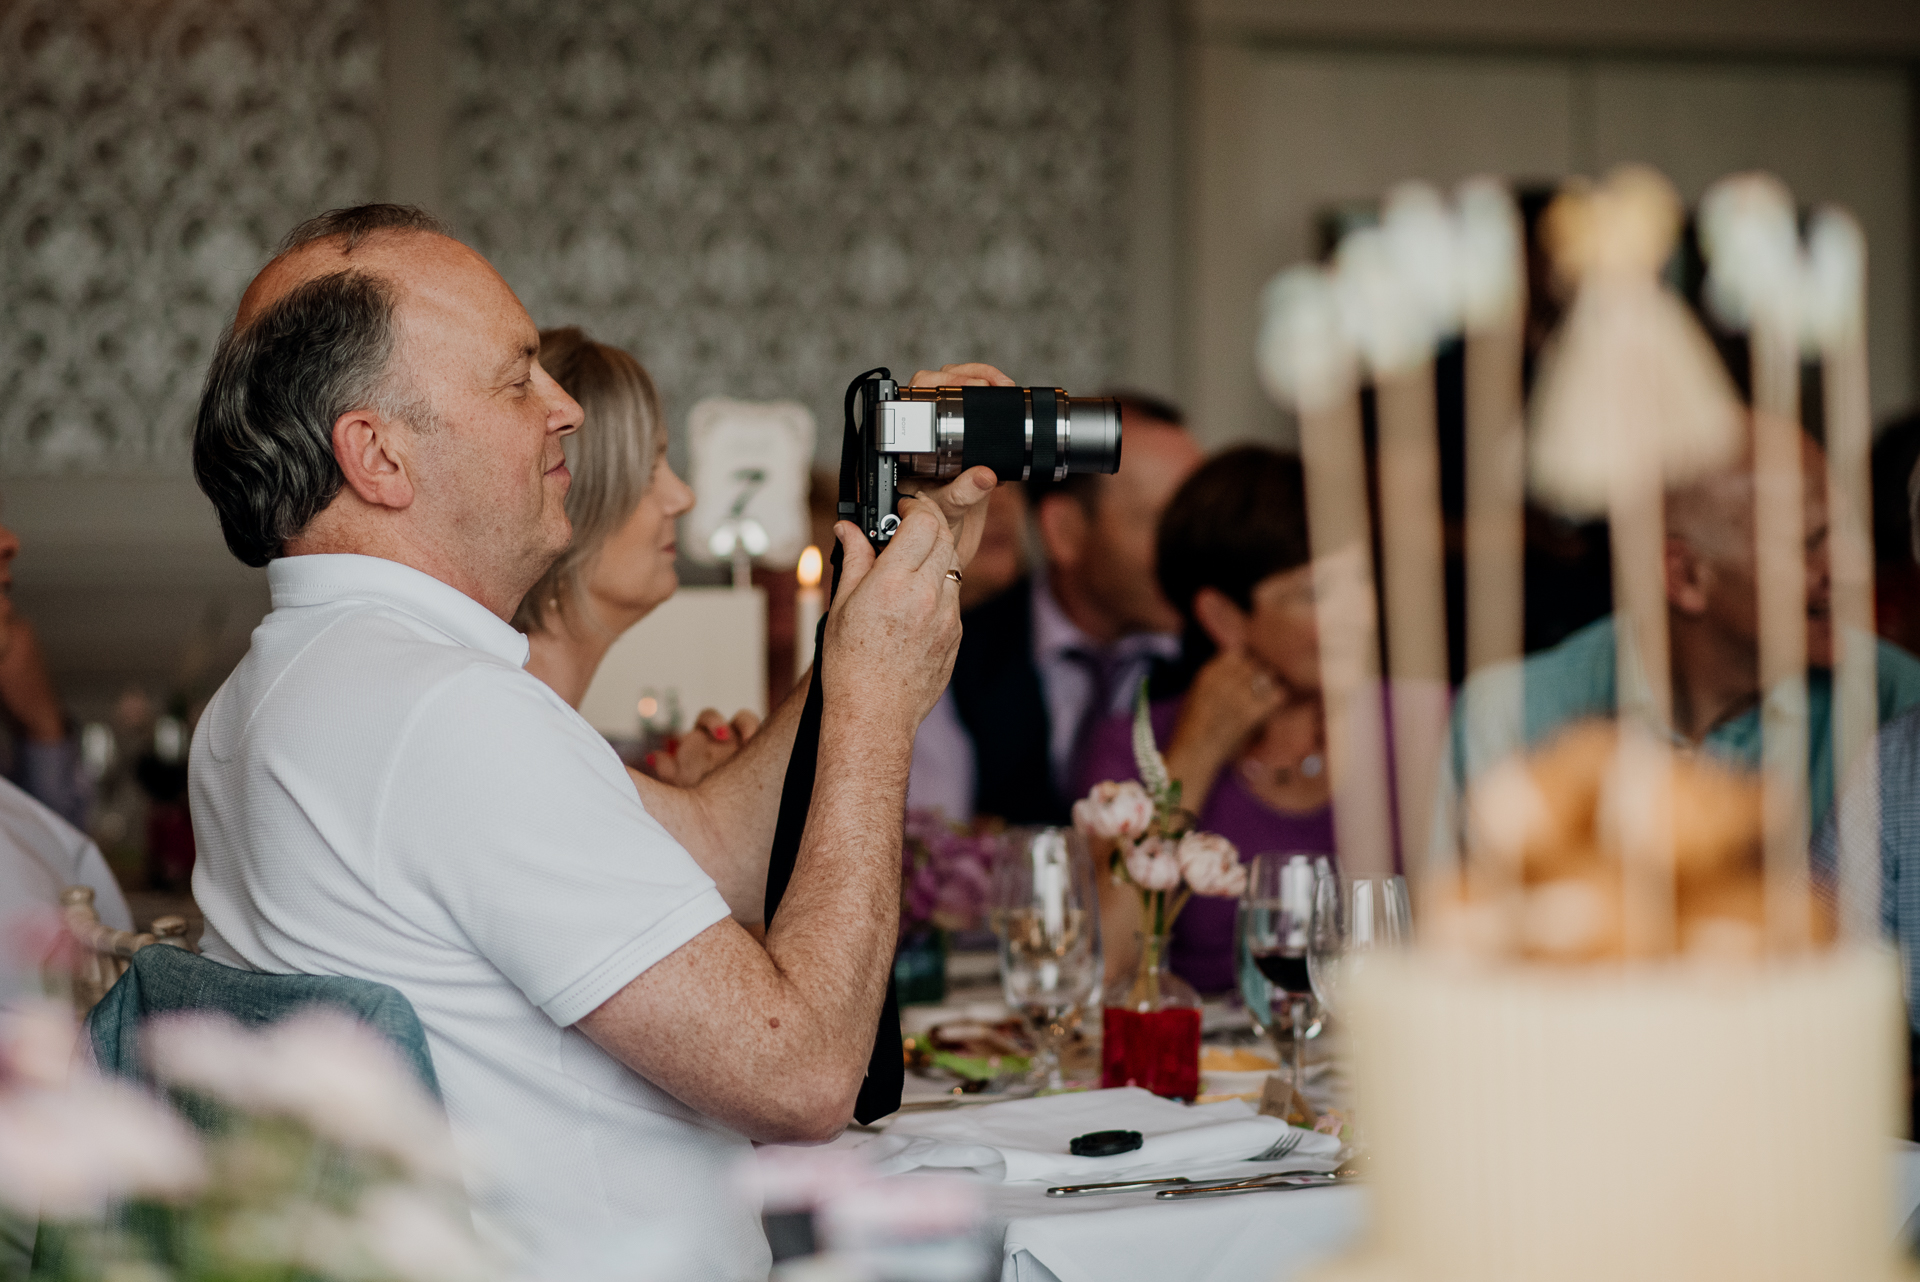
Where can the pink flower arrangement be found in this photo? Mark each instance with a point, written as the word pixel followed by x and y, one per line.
pixel 1114 810
pixel 335 1163
pixel 73 1144
pixel 1152 842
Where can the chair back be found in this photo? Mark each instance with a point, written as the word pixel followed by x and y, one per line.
pixel 163 980
pixel 99 954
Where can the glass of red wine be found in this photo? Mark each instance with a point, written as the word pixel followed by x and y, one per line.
pixel 1274 926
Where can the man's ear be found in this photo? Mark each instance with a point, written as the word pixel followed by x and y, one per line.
pixel 1687 574
pixel 1063 530
pixel 372 452
pixel 1225 623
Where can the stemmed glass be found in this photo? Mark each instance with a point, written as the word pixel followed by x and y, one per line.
pixel 1046 912
pixel 1274 927
pixel 1352 918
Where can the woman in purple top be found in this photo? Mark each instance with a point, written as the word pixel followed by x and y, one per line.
pixel 1247 739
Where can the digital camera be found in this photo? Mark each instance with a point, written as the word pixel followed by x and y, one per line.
pixel 936 433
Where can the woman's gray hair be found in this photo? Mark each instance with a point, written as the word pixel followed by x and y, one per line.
pixel 263 442
pixel 612 458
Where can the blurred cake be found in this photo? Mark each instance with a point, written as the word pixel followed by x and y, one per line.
pixel 1537 1107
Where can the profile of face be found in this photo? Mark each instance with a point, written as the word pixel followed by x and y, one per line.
pixel 1113 556
pixel 1280 630
pixel 495 467
pixel 634 569
pixel 1712 572
pixel 482 480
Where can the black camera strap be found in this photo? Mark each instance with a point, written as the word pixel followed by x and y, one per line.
pixel 886 1071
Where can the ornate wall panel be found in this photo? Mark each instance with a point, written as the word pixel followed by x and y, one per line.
pixel 153 152
pixel 763 199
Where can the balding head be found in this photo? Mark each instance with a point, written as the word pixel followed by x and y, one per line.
pixel 321 425
pixel 326 244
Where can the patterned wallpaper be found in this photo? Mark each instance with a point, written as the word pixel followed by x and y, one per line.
pixel 763 199
pixel 150 153
pixel 760 199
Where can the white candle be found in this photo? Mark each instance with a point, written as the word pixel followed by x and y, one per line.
pixel 807 606
pixel 1837 319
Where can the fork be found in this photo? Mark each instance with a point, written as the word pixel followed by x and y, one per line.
pixel 1281 1147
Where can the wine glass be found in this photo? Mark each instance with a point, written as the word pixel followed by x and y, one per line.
pixel 1353 917
pixel 1046 912
pixel 1272 930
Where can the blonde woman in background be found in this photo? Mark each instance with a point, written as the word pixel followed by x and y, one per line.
pixel 624 502
pixel 718 793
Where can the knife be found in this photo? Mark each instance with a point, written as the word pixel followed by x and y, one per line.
pixel 1296 1181
pixel 1117 1186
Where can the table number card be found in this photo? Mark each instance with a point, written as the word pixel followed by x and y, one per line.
pixel 751 466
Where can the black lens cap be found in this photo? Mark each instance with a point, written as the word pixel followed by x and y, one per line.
pixel 1104 1143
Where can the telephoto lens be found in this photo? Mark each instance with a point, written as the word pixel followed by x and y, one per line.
pixel 1022 433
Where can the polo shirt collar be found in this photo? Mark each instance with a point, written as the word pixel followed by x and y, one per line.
pixel 298 581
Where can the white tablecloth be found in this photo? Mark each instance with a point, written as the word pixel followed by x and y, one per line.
pixel 1257 1237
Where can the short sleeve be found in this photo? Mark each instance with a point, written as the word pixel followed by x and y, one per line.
pixel 522 832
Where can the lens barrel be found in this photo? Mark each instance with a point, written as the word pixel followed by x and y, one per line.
pixel 1022 433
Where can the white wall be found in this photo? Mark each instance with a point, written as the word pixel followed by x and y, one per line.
pixel 1279 133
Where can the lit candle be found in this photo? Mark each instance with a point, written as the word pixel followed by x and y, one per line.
pixel 807 606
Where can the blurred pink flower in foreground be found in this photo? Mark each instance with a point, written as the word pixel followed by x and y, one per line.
pixel 37 1042
pixel 321 1067
pixel 1114 810
pixel 73 1144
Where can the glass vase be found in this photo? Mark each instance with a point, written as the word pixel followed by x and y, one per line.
pixel 1150 1035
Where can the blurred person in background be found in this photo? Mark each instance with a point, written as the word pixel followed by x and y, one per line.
pixel 623 504
pixel 1713 636
pixel 1896 576
pixel 41 853
pixel 1247 740
pixel 1002 559
pixel 1051 656
pixel 46 758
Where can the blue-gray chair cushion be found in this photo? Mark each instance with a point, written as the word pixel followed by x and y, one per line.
pixel 161 979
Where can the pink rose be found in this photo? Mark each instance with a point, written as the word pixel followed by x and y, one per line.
pixel 1154 864
pixel 1114 810
pixel 1211 864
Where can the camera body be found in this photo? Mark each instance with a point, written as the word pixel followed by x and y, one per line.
pixel 936 433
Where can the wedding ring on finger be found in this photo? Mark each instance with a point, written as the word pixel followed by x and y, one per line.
pixel 955 575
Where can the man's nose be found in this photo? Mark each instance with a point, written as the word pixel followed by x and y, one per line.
pixel 564 414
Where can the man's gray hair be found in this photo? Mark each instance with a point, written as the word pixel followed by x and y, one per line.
pixel 263 443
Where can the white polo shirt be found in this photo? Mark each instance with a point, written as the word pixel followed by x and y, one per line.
pixel 381 790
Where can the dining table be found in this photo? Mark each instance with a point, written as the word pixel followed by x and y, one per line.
pixel 1269 1236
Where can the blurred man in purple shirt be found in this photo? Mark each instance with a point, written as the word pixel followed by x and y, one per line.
pixel 1049 658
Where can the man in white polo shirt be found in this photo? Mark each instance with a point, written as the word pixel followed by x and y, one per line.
pixel 380 790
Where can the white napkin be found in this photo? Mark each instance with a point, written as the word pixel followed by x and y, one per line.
pixel 1026 1140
